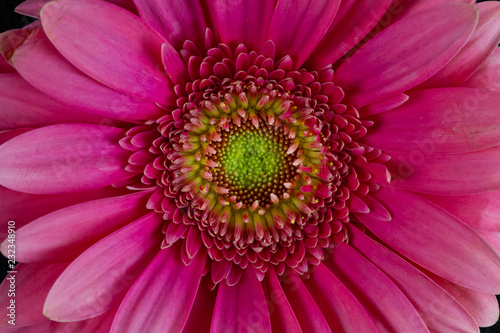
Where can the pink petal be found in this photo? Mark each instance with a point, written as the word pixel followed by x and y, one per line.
pixel 24 208
pixel 248 311
pixel 101 276
pixel 436 240
pixel 200 317
pixel 63 158
pixel 297 27
pixel 373 73
pixel 24 106
pixel 303 304
pixel 121 52
pixel 466 124
pixel 354 20
pixel 7 135
pixel 282 317
pixel 401 9
pixel 384 105
pixel 446 174
pixel 63 235
pixel 100 323
pixel 480 211
pixel 481 44
pixel 388 307
pixel 488 74
pixel 343 312
pixel 174 64
pixel 425 295
pixel 32 284
pixel 5 67
pixel 244 22
pixel 160 309
pixel 28 47
pixel 176 20
pixel 33 7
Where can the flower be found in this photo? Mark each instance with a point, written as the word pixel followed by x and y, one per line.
pixel 231 165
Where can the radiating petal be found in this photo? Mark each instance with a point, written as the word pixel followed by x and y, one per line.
pixel 176 20
pixel 248 311
pixel 63 235
pixel 481 44
pixel 5 67
pixel 445 174
pixel 162 297
pixel 373 73
pixel 354 20
pixel 425 295
pixel 436 240
pixel 297 27
pixel 122 53
pixel 101 323
pixel 27 48
pixel 444 120
pixel 385 303
pixel 480 211
pixel 343 312
pixel 200 317
pixel 101 276
pixel 488 74
pixel 32 284
pixel 244 22
pixel 63 158
pixel 33 7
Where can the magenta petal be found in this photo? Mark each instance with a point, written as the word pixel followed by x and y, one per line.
pixel 459 128
pixel 63 235
pixel 488 74
pixel 161 298
pixel 373 73
pixel 122 52
pixel 174 64
pixel 303 304
pixel 481 44
pixel 176 20
pixel 5 67
pixel 100 277
pixel 297 27
pixel 244 22
pixel 200 317
pixel 282 317
pixel 420 290
pixel 33 7
pixel 63 158
pixel 343 311
pixel 241 308
pixel 58 78
pixel 354 20
pixel 101 323
pixel 32 284
pixel 389 308
pixel 444 174
pixel 24 106
pixel 419 228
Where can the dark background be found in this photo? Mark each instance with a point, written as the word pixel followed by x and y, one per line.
pixel 11 20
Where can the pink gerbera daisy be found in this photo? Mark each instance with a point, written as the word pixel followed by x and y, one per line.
pixel 251 166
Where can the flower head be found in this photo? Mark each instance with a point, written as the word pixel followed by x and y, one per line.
pixel 253 165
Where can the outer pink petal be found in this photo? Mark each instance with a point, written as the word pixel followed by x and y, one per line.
pixel 398 58
pixel 27 48
pixel 63 235
pixel 354 20
pixel 297 27
pixel 425 295
pixel 303 304
pixel 488 74
pixel 480 211
pixel 343 311
pixel 244 22
pixel 436 240
pixel 385 303
pixel 7 135
pixel 63 158
pixel 445 174
pixel 176 20
pixel 24 106
pixel 444 120
pixel 282 317
pixel 32 284
pixel 481 44
pixel 111 45
pixel 241 308
pixel 24 208
pixel 400 9
pixel 101 276
pixel 161 298
pixel 5 67
pixel 33 7
pixel 200 317
pixel 100 323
